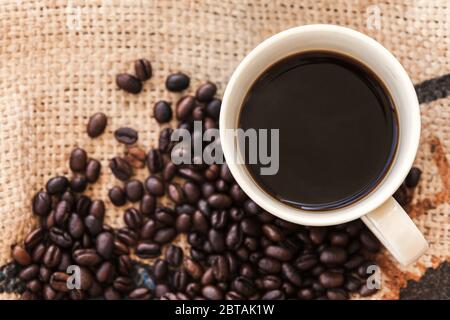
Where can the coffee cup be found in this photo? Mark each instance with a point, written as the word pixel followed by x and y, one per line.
pixel 377 209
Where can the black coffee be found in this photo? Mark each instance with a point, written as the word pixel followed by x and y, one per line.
pixel 337 127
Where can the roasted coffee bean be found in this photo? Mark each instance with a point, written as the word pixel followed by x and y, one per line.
pixel 352 283
pixel 305 294
pixel 165 144
pixel 198 113
pixel 78 160
pixel 135 157
pixel 177 82
pixel 180 280
pixel 58 281
pixel 353 247
pixel 65 262
pixel 194 269
pixel 129 83
pixel 148 250
pixel 104 244
pixel 123 284
pixel 105 272
pixel 220 268
pixel 61 213
pixel 354 262
pixel 34 238
pixel 272 233
pixel 83 205
pixel 365 291
pixel 244 286
pixel 165 216
pixel 164 235
pixel 147 205
pixel 162 111
pixel 317 234
pixel 291 274
pixel 78 183
pixel 86 257
pixel 183 223
pixel 29 272
pixel 148 230
pixel 133 218
pixel 52 256
pixel 211 292
pixel 273 295
pixel 330 279
pixel 134 190
pixel 339 239
pixel 219 219
pixel 154 186
pixel 120 168
pixel 38 252
pixel 174 256
pixel 93 225
pixel 206 92
pixel 169 171
pixel 269 265
pixel 176 193
pixel 366 269
pixel 126 135
pixel 413 177
pixel 60 237
pixel 306 262
pixel 117 196
pixel 212 172
pixel 278 252
pixel 369 241
pixel 192 192
pixel 42 203
pixel 184 107
pixel 44 273
pixel 337 294
pixel 217 240
pixel 97 209
pixel 251 227
pixel 75 226
pixel 234 237
pixel 96 124
pixel 213 108
pixel 251 207
pixel 222 186
pixel 160 269
pixel 333 256
pixel 111 294
pixel 125 266
pixel 143 69
pixel 57 185
pixel 190 174
pixel 140 294
pixel 219 201
pixel 21 256
pixel 271 282
pixel 127 236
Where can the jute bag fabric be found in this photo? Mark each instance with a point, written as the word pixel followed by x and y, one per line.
pixel 58 61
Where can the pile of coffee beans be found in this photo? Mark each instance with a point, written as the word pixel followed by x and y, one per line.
pixel 236 249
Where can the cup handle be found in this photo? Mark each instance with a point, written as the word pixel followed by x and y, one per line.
pixel 396 231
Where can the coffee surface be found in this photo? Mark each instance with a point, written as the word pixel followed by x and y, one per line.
pixel 337 129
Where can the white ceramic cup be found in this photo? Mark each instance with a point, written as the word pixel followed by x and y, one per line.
pixel 379 211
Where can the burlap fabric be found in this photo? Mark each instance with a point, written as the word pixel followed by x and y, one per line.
pixel 58 60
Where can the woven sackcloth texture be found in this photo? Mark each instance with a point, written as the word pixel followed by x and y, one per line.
pixel 58 61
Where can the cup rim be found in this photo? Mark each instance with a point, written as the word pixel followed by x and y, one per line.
pixel 339 215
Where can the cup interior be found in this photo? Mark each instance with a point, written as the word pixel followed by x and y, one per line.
pixel 341 40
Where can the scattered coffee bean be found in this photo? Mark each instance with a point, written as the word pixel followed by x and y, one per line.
pixel 57 185
pixel 134 190
pixel 143 69
pixel 162 111
pixel 96 125
pixel 42 203
pixel 117 196
pixel 126 135
pixel 93 168
pixel 129 83
pixel 78 160
pixel 184 107
pixel 135 157
pixel 177 82
pixel 413 177
pixel 155 162
pixel 120 168
pixel 206 92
